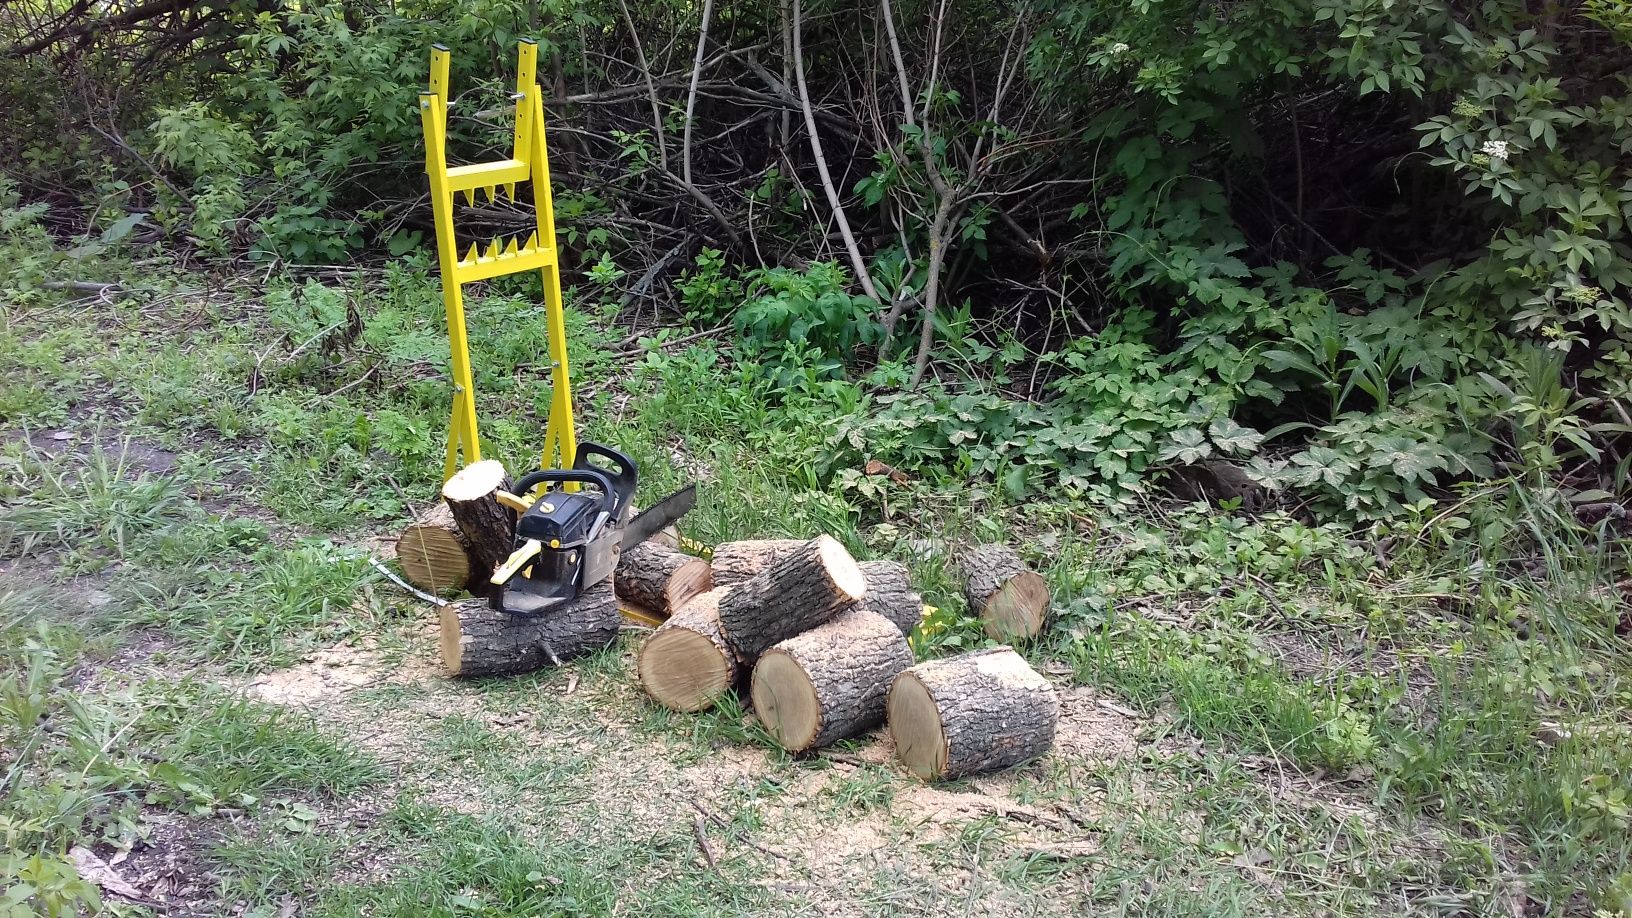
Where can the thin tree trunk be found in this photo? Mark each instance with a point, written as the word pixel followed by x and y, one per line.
pixel 691 97
pixel 651 90
pixel 850 246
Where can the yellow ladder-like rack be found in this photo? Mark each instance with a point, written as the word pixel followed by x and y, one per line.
pixel 529 162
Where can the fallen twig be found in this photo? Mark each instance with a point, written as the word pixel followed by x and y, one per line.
pixel 701 834
pixel 735 832
pixel 84 287
pixel 416 591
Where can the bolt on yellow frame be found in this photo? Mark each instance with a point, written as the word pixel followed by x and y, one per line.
pixel 529 162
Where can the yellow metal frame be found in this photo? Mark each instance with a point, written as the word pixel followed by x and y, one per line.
pixel 529 162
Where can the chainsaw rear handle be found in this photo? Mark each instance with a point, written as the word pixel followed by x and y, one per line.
pixel 622 474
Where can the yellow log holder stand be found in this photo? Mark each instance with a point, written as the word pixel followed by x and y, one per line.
pixel 529 162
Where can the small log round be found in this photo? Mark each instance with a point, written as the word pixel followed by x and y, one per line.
pixel 971 714
pixel 829 683
pixel 434 554
pixel 478 640
pixel 1011 599
pixel 890 594
pixel 805 588
pixel 659 578
pixel 687 664
pixel 735 562
pixel 488 526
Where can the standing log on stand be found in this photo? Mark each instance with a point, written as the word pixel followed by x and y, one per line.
pixel 489 526
pixel 890 594
pixel 1011 599
pixel 687 664
pixel 435 555
pixel 970 714
pixel 830 682
pixel 660 578
pixel 805 588
pixel 735 562
pixel 478 640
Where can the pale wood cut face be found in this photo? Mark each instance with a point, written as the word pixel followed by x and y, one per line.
pixel 915 725
pixel 474 480
pixel 1019 607
pixel 785 701
pixel 682 670
pixel 847 575
pixel 451 647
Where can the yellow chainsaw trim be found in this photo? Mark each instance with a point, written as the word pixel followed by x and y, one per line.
pixel 513 501
pixel 517 560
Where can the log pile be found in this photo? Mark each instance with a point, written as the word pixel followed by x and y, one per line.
pixel 815 640
pixel 454 547
pixel 818 644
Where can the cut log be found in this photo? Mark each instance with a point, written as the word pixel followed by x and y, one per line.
pixel 434 554
pixel 478 640
pixel 489 527
pixel 971 714
pixel 829 683
pixel 1011 599
pixel 803 589
pixel 659 578
pixel 735 562
pixel 687 664
pixel 890 594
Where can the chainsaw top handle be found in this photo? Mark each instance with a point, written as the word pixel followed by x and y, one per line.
pixel 606 499
pixel 620 471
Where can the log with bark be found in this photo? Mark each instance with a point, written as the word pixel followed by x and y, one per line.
pixel 890 594
pixel 435 555
pixel 735 562
pixel 687 664
pixel 1011 599
pixel 830 682
pixel 488 526
pixel 659 578
pixel 971 714
pixel 478 640
pixel 803 589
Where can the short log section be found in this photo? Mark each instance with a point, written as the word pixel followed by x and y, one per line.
pixel 434 554
pixel 659 578
pixel 488 526
pixel 478 640
pixel 829 683
pixel 806 588
pixel 890 594
pixel 735 562
pixel 687 664
pixel 971 714
pixel 1011 599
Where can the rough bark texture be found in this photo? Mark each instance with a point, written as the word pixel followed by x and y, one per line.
pixel 735 562
pixel 660 578
pixel 687 664
pixel 434 554
pixel 480 641
pixel 970 714
pixel 805 588
pixel 1011 599
pixel 489 526
pixel 830 682
pixel 890 594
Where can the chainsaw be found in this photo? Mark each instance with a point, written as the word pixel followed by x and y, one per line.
pixel 570 536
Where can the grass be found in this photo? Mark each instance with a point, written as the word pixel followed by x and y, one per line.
pixel 1429 717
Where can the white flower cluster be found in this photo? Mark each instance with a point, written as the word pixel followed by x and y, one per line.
pixel 1120 47
pixel 1495 149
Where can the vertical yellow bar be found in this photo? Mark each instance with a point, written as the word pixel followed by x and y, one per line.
pixel 462 429
pixel 526 78
pixel 561 421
